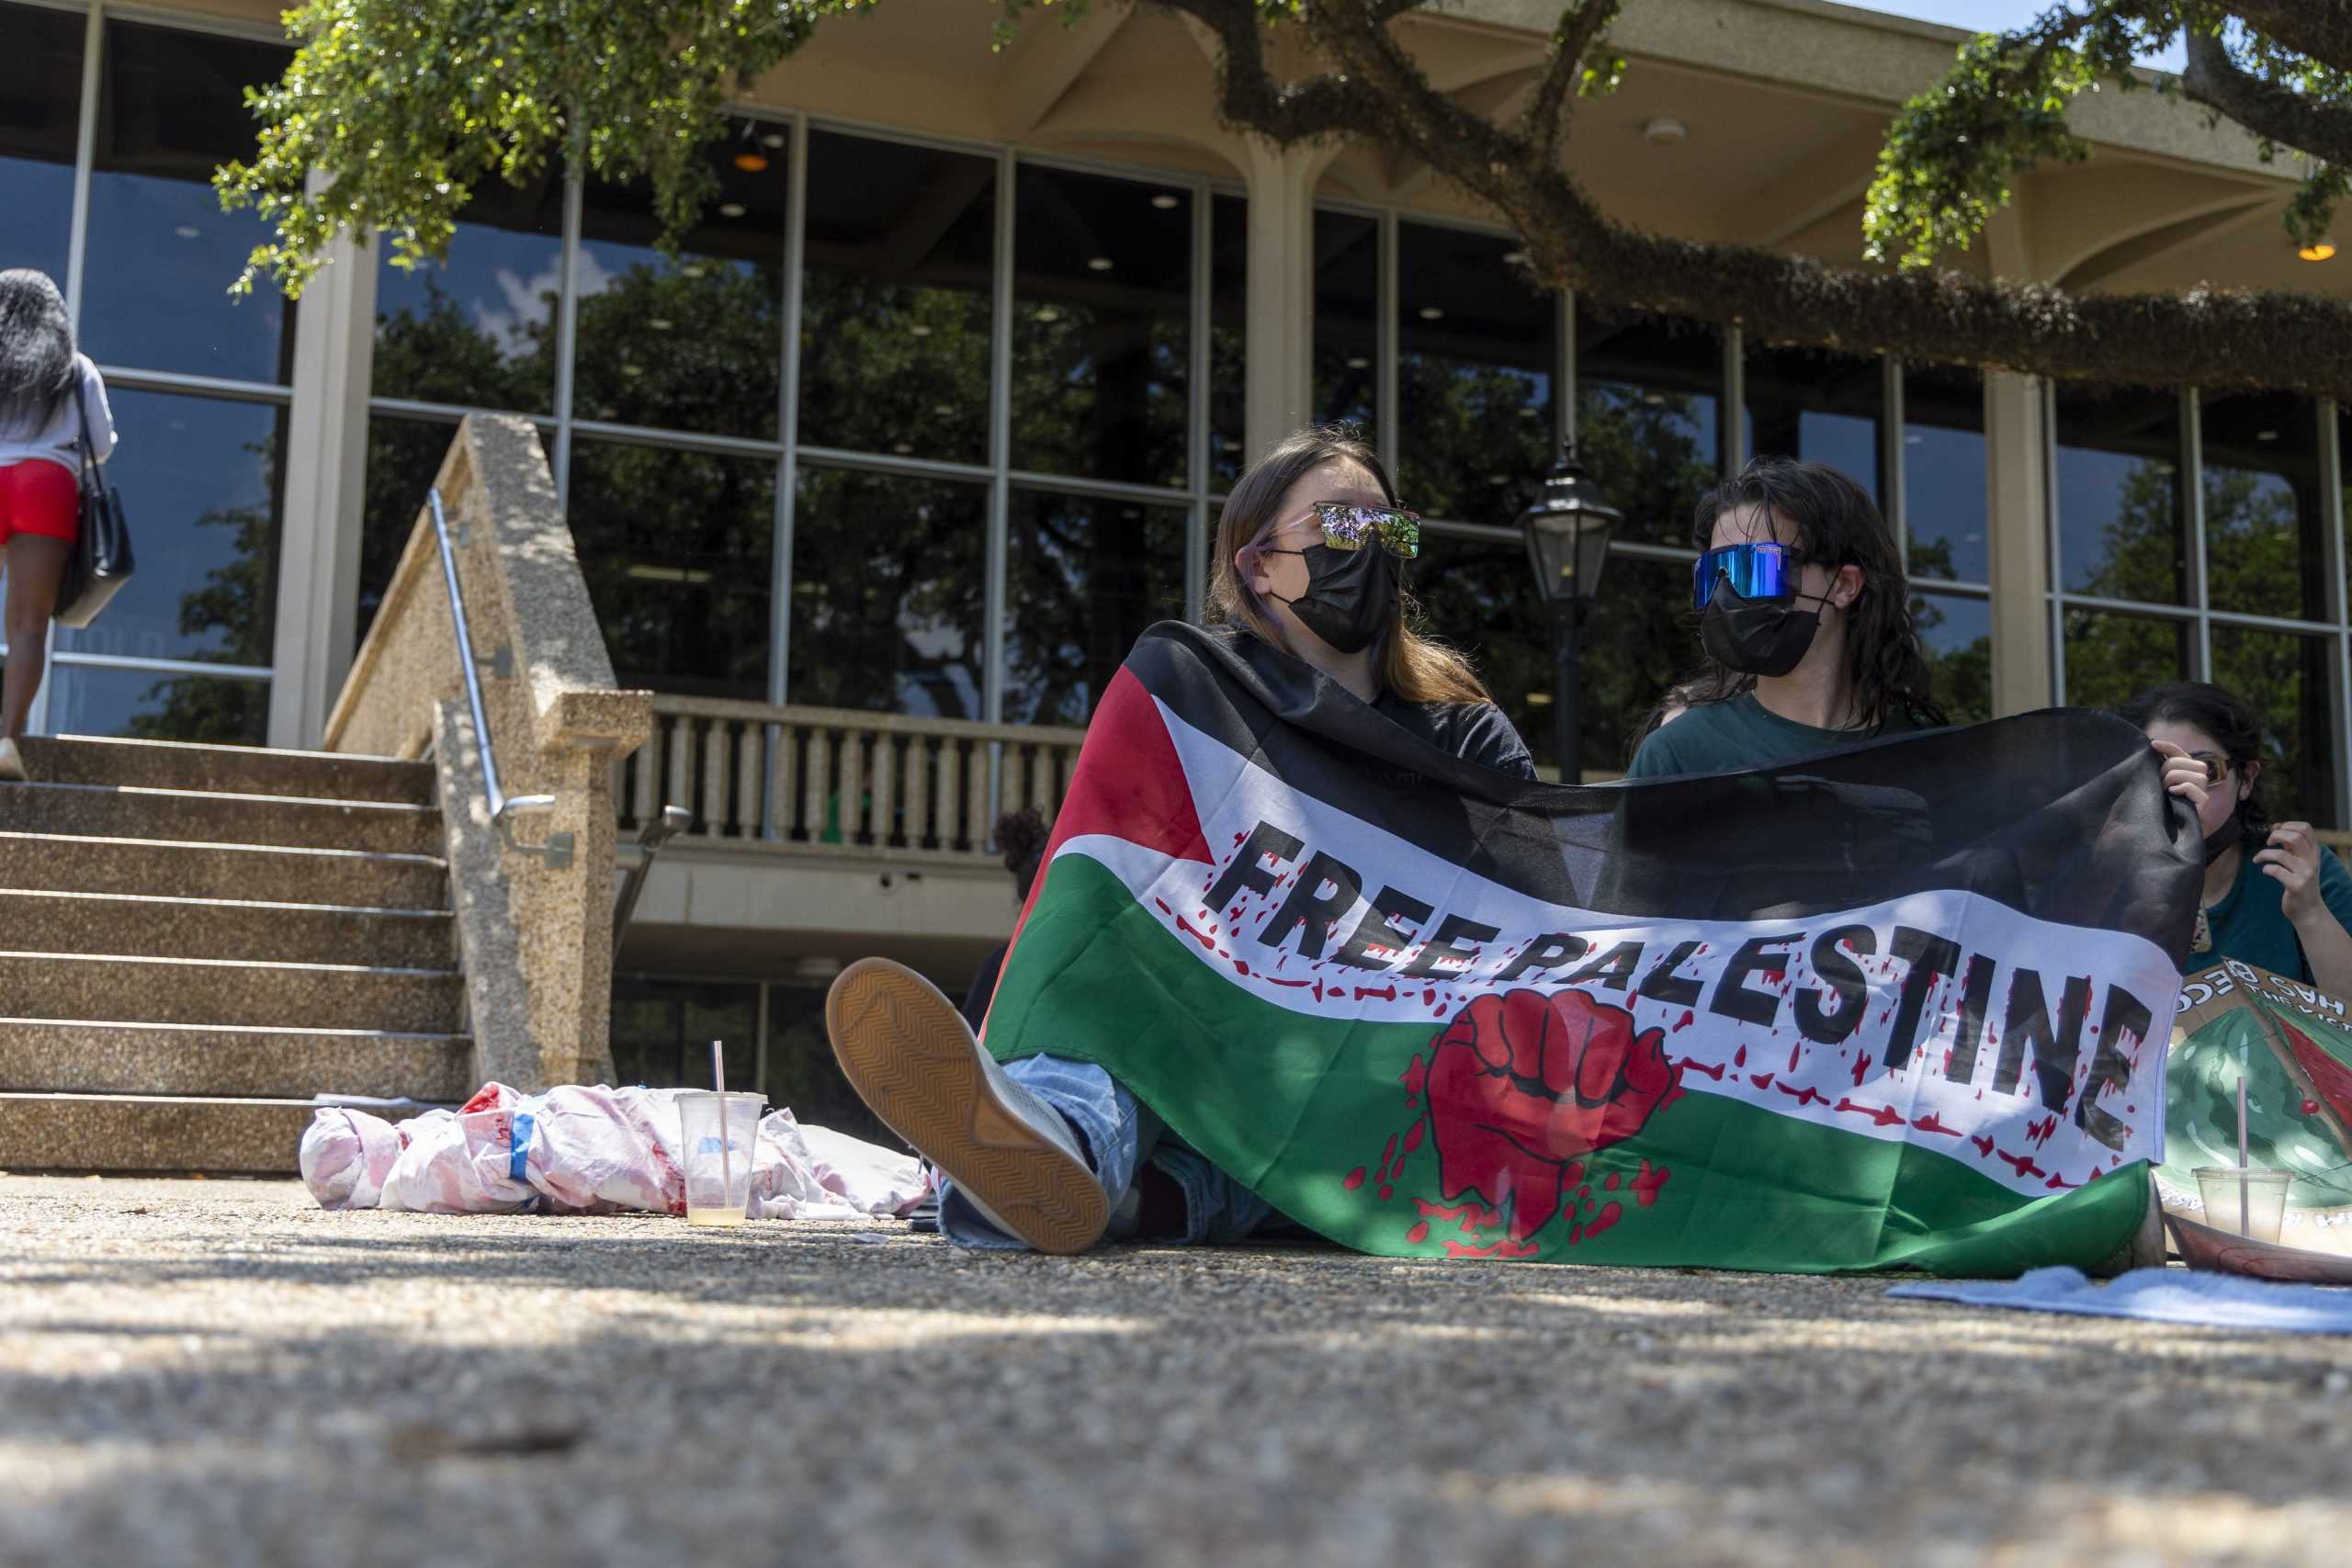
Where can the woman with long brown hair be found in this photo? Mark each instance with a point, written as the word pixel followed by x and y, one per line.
pixel 1052 1153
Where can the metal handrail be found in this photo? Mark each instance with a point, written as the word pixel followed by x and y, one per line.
pixel 556 852
pixel 657 831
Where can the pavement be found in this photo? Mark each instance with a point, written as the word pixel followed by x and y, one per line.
pixel 219 1373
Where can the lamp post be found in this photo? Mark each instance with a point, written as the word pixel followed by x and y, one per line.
pixel 1567 527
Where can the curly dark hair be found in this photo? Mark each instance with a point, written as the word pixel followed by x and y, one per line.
pixel 2236 728
pixel 36 347
pixel 1838 524
pixel 1021 838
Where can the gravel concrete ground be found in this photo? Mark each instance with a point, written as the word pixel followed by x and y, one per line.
pixel 218 1374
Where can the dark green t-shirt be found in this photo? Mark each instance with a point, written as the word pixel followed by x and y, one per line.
pixel 2250 923
pixel 1740 732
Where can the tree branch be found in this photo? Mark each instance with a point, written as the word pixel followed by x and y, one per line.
pixel 2320 28
pixel 2227 340
pixel 2265 107
pixel 1572 41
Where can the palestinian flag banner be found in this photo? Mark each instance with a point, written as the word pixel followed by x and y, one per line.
pixel 1905 1005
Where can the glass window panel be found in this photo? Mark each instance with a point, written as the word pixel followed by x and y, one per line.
pixel 674 546
pixel 1957 631
pixel 479 330
pixel 1101 327
pixel 1228 337
pixel 1648 401
pixel 1086 577
pixel 2286 678
pixel 897 299
pixel 40 92
pixel 2118 492
pixel 2265 553
pixel 888 574
pixel 1476 351
pixel 2112 658
pixel 802 1073
pixel 1820 406
pixel 404 458
pixel 1639 638
pixel 1479 597
pixel 2344 473
pixel 162 253
pixel 1347 320
pixel 662 1029
pixel 691 341
pixel 1944 499
pixel 199 480
pixel 147 705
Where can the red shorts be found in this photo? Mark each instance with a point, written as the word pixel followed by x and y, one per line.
pixel 37 496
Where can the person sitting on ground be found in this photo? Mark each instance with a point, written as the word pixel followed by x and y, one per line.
pixel 2274 897
pixel 1021 837
pixel 1806 625
pixel 1053 1154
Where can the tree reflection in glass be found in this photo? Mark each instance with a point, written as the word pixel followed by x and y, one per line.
pixel 2120 533
pixel 1086 576
pixel 40 83
pixel 897 299
pixel 888 574
pixel 479 330
pixel 1347 320
pixel 1475 361
pixel 2264 554
pixel 1649 406
pixel 2286 678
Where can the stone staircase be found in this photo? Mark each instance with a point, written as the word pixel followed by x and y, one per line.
pixel 195 940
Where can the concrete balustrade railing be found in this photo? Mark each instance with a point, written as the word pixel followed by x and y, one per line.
pixel 834 781
pixel 534 929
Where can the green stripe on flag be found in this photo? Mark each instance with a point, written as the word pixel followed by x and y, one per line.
pixel 1317 1115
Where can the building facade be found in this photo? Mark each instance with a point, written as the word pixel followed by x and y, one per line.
pixel 933 412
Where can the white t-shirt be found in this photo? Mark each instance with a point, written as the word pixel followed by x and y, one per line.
pixel 54 437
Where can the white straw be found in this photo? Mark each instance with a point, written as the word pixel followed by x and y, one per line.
pixel 727 1152
pixel 2241 1175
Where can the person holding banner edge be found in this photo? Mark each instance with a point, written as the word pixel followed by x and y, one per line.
pixel 2284 906
pixel 1805 623
pixel 1053 1154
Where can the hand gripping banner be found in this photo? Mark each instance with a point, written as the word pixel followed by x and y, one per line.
pixel 1905 1005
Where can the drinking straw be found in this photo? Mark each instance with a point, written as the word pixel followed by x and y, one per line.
pixel 2241 1175
pixel 727 1152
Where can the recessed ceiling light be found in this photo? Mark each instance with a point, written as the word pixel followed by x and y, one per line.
pixel 945 411
pixel 751 162
pixel 1665 131
pixel 2319 250
pixel 1130 512
pixel 2266 435
pixel 1515 258
pixel 1048 315
pixel 1914 441
pixel 772 139
pixel 1359 363
pixel 730 209
pixel 903 448
pixel 187 231
pixel 1099 264
pixel 918 330
pixel 632 369
pixel 1432 313
pixel 1539 699
pixel 1498 479
pixel 692 269
pixel 658 323
pixel 1168 201
pixel 1656 399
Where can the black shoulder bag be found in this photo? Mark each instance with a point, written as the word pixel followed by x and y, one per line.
pixel 101 561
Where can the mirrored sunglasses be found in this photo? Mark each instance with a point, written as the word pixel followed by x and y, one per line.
pixel 1347 528
pixel 1753 570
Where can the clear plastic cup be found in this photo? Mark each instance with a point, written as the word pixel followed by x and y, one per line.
pixel 2264 1198
pixel 717 1133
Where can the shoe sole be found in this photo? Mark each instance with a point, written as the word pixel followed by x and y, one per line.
pixel 906 1052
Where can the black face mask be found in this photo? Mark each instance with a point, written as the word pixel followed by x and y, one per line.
pixel 2223 838
pixel 1351 595
pixel 1756 636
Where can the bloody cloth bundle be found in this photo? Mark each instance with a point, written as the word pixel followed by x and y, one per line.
pixel 1891 1007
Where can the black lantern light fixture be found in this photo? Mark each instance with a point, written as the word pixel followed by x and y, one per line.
pixel 1567 527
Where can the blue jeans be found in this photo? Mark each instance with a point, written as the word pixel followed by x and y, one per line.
pixel 1122 1135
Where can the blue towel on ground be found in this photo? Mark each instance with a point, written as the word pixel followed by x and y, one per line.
pixel 2162 1295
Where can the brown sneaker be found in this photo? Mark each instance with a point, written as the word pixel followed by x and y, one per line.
pixel 912 1058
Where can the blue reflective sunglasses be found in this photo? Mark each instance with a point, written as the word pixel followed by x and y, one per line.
pixel 1755 572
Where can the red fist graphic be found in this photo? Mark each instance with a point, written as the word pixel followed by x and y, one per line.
pixel 1522 1086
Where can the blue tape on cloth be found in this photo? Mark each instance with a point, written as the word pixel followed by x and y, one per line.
pixel 524 1122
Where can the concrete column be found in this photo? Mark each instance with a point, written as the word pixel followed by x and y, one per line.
pixel 1281 289
pixel 2017 492
pixel 326 463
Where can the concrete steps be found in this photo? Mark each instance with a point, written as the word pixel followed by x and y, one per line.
pixel 195 941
